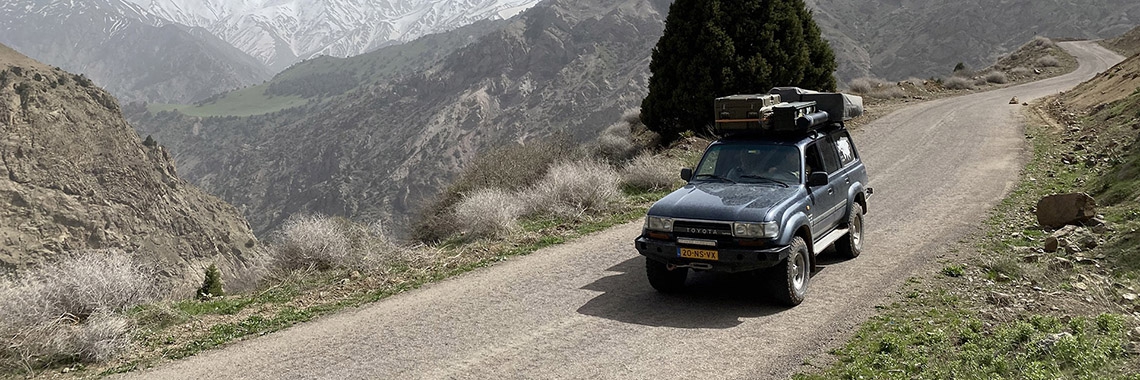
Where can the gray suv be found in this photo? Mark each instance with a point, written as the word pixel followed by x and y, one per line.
pixel 768 198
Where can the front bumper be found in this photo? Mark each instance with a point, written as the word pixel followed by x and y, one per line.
pixel 730 259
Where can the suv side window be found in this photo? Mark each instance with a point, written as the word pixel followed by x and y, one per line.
pixel 828 154
pixel 844 147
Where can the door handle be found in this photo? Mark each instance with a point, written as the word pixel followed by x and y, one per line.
pixel 830 190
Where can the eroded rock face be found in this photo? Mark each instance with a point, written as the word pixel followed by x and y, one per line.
pixel 1056 211
pixel 75 176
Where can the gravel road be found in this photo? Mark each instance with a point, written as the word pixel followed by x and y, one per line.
pixel 585 310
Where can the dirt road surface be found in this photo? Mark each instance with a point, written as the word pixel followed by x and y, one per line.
pixel 584 310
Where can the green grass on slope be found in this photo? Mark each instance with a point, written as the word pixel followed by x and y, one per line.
pixel 244 102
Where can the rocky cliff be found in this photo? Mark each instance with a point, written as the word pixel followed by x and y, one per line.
pixel 76 176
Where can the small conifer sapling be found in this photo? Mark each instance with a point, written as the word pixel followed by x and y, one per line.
pixel 212 285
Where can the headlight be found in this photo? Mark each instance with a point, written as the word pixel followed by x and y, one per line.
pixel 656 223
pixel 755 230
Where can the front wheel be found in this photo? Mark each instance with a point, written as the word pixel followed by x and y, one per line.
pixel 663 279
pixel 790 279
pixel 851 246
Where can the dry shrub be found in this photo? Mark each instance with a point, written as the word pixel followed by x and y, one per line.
pixel 511 167
pixel 1043 42
pixel 1048 61
pixel 865 85
pixel 996 77
pixel 1020 71
pixel 957 83
pixel 310 241
pixel 489 213
pixel 66 312
pixel 79 285
pixel 371 247
pixel 615 144
pixel 574 188
pixel 649 172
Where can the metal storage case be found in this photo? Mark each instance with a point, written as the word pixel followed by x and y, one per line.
pixel 784 110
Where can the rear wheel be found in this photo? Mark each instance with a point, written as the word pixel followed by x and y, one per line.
pixel 663 279
pixel 851 246
pixel 790 279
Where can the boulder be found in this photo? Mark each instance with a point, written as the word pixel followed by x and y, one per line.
pixel 1014 100
pixel 1056 211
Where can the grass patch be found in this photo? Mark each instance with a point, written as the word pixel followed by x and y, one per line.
pixel 248 101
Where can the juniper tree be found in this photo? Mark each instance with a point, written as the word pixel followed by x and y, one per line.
pixel 715 48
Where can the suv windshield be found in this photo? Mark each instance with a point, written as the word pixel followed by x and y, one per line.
pixel 751 163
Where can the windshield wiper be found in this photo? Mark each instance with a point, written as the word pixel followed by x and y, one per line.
pixel 714 176
pixel 749 176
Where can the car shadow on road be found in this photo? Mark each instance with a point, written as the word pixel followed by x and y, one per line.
pixel 710 300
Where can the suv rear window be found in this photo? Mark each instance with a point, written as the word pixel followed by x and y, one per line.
pixel 846 150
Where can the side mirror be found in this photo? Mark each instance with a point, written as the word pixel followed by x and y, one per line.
pixel 817 179
pixel 686 174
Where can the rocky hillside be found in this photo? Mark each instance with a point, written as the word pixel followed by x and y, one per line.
pixel 1127 44
pixel 78 177
pixel 125 51
pixel 381 150
pixel 897 39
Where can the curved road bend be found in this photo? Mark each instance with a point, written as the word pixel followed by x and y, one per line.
pixel 585 310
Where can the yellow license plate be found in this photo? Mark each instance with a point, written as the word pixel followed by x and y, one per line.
pixel 702 254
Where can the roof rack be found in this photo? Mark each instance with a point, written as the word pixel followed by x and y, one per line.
pixel 784 110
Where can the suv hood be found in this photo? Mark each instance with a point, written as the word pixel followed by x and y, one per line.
pixel 724 201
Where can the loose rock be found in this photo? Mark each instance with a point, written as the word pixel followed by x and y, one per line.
pixel 1056 211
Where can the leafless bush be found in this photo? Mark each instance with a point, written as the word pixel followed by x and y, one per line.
pixel 865 85
pixel 632 117
pixel 996 77
pixel 489 213
pixel 649 172
pixel 510 167
pixel 1043 42
pixel 102 337
pixel 1020 71
pixel 1048 61
pixel 66 312
pixel 615 144
pixel 310 241
pixel 957 83
pixel 80 285
pixel 574 188
pixel 371 246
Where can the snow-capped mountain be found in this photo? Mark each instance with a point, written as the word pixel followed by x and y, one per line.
pixel 126 50
pixel 282 32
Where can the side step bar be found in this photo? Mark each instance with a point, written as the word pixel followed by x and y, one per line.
pixel 828 240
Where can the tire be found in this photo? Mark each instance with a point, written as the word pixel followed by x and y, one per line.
pixel 791 277
pixel 663 279
pixel 851 246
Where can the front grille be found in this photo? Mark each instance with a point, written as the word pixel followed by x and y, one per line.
pixel 690 228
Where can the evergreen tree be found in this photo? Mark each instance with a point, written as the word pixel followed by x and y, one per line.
pixel 212 285
pixel 714 48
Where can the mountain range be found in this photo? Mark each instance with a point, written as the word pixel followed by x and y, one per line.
pixel 281 32
pixel 124 50
pixel 379 149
